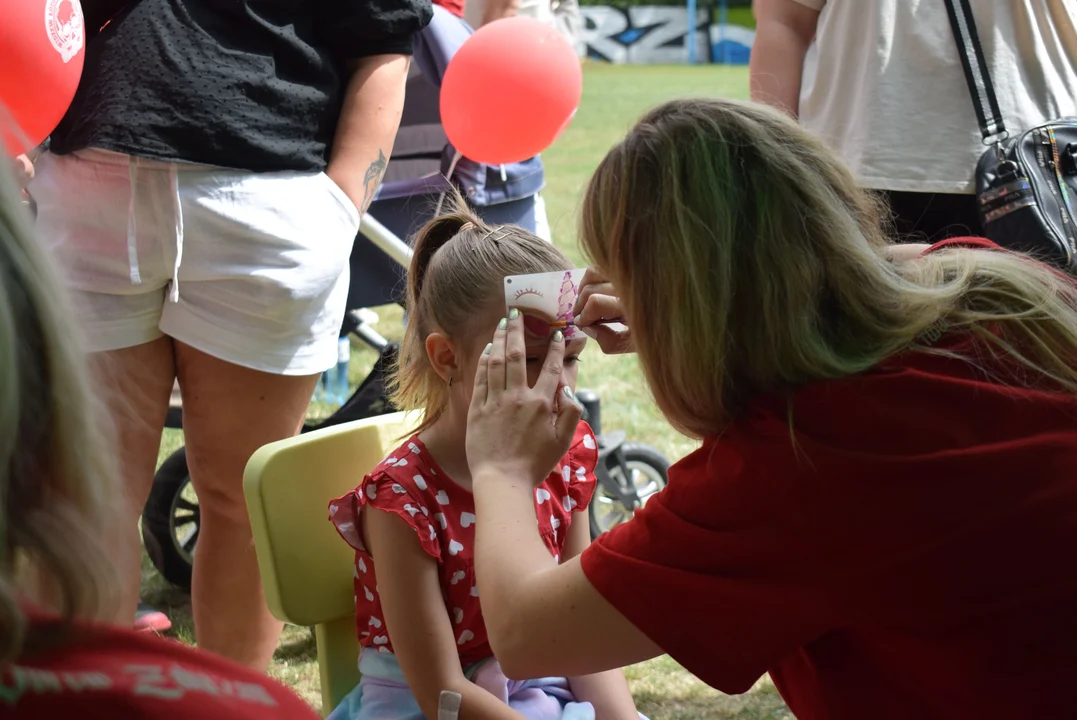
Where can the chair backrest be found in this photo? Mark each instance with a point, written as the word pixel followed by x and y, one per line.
pixel 306 568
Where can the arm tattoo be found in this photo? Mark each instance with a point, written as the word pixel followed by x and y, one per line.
pixel 373 177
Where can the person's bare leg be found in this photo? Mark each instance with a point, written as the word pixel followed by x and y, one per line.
pixel 136 384
pixel 228 413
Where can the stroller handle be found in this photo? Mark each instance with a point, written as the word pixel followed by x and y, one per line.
pixel 389 243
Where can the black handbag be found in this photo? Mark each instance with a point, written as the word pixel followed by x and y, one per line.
pixel 1027 184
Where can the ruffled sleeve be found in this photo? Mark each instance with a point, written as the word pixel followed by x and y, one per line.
pixel 578 468
pixel 390 494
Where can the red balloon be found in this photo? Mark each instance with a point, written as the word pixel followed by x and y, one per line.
pixel 510 90
pixel 41 53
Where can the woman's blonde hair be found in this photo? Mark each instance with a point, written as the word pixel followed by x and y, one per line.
pixel 750 262
pixel 57 480
pixel 456 273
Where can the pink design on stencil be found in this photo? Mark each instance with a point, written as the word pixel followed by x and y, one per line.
pixel 566 300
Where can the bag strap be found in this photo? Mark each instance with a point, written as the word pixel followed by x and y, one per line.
pixel 977 75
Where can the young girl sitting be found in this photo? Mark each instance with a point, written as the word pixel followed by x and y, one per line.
pixel 412 520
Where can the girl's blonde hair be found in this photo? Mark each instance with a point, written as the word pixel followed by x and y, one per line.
pixel 57 481
pixel 749 262
pixel 456 274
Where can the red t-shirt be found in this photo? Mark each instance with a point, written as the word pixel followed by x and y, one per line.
pixel 410 484
pixel 456 7
pixel 912 555
pixel 112 674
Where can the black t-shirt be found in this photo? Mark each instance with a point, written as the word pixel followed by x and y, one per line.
pixel 248 84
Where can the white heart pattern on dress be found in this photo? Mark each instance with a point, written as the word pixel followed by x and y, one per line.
pixel 412 510
pixel 474 591
pixel 589 441
pixel 542 495
pixel 369 595
pixel 399 489
pixel 389 460
pixel 374 621
pixel 420 482
pixel 441 520
pixel 556 522
pixel 433 533
pixel 457 577
pixel 568 503
pixel 401 462
pixel 425 511
pixel 455 547
pixel 467 519
pixel 381 639
pixel 581 473
pixel 457 615
pixel 414 447
pixel 362 565
pixel 566 473
pixel 442 498
pixel 465 637
pixel 359 492
pixel 371 491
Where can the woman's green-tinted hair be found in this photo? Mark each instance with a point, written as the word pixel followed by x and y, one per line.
pixel 750 262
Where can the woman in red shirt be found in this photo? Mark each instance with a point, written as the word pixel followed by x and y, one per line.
pixel 58 494
pixel 883 512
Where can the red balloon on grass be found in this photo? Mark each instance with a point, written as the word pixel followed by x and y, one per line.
pixel 41 54
pixel 509 91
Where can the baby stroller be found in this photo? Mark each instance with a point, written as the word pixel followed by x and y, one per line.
pixel 415 182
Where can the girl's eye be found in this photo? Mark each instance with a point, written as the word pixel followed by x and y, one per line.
pixel 572 360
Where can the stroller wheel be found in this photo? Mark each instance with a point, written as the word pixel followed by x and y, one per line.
pixel 171 521
pixel 643 468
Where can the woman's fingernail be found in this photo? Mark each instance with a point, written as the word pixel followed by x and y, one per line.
pixel 489 347
pixel 558 336
pixel 576 320
pixel 503 324
pixel 568 393
pixel 513 314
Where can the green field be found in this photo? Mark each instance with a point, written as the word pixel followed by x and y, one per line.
pixel 614 96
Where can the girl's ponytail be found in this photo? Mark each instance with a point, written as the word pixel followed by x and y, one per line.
pixel 415 385
pixel 433 236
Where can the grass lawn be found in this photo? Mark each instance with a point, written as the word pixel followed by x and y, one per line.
pixel 614 96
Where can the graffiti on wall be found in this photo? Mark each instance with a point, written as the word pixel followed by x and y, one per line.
pixel 653 35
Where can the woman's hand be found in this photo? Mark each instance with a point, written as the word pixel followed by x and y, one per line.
pixel 598 301
pixel 514 430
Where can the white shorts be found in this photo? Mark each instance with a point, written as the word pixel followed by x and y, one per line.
pixel 251 268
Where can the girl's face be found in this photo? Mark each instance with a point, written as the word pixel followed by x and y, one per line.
pixel 536 347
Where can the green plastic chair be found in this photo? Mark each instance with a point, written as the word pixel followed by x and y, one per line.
pixel 306 568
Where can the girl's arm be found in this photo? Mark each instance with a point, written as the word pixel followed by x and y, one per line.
pixel 418 623
pixel 606 691
pixel 784 31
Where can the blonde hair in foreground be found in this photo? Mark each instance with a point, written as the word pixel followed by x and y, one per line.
pixel 56 478
pixel 750 262
pixel 456 274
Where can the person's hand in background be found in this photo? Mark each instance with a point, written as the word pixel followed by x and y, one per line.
pixel 597 302
pixel 24 171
